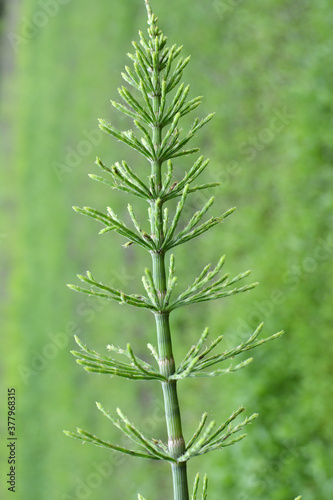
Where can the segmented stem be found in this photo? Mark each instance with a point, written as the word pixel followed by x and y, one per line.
pixel 176 444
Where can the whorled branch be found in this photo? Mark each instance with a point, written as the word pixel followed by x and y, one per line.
pixel 209 439
pixel 112 223
pixel 123 179
pixel 153 449
pixel 110 293
pixel 205 287
pixel 197 360
pixel 94 362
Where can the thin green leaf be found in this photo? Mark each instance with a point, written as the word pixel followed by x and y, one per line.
pixel 205 487
pixel 90 438
pixel 197 231
pixel 195 487
pixel 198 431
pixel 148 445
pixel 172 228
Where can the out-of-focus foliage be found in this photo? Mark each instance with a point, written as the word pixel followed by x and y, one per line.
pixel 266 70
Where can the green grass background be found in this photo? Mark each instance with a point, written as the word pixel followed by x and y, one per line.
pixel 252 61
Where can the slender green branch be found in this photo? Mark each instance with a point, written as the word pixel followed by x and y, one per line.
pixel 94 362
pixel 197 360
pixel 86 437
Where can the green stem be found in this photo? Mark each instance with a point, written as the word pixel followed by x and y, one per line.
pixel 176 443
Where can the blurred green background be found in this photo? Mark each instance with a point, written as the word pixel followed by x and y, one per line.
pixel 266 69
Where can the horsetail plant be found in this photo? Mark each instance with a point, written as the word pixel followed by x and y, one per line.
pixel 157 71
